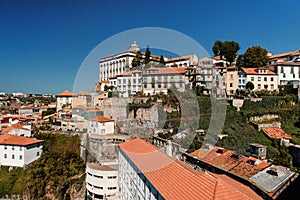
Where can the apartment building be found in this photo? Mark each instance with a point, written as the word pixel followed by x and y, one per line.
pixel 145 172
pixel 102 181
pixel 101 126
pixel 262 78
pixel 157 80
pixel 287 71
pixel 231 81
pixel 64 99
pixel 17 151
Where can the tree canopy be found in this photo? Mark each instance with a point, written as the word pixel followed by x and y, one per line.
pixel 249 85
pixel 136 61
pixel 226 49
pixel 255 57
pixel 162 60
pixel 147 55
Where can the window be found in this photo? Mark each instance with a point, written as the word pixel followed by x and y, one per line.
pixel 281 70
pixel 258 86
pixel 259 78
pixel 153 85
pixel 101 188
pixel 265 79
pixel 12 156
pixel 272 79
pixel 112 177
pixel 231 85
pixel 98 176
pixel 112 188
pixel 5 147
pixel 12 148
pixel 5 155
pixel 252 78
pixel 21 147
pixel 37 153
pixel 272 88
pixel 231 77
pixel 283 75
pixel 292 70
pixel 21 157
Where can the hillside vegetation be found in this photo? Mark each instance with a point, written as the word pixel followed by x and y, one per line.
pixel 49 176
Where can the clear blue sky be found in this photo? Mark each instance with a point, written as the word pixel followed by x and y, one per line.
pixel 43 43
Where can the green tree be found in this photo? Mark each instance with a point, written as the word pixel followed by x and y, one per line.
pixel 249 85
pixel 136 61
pixel 228 49
pixel 217 48
pixel 255 57
pixel 147 55
pixel 162 60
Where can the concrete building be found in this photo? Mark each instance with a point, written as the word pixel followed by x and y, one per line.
pixel 128 83
pixel 258 150
pixel 287 71
pixel 120 63
pixel 262 78
pixel 145 172
pixel 183 61
pixel 231 81
pixel 156 80
pixel 64 99
pixel 284 57
pixel 101 126
pixel 242 80
pixel 248 170
pixel 102 181
pixel 18 130
pixel 219 82
pixel 17 151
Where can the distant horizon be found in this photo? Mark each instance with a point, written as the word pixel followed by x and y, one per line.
pixel 44 43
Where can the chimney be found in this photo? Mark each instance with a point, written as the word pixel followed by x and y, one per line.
pixel 169 148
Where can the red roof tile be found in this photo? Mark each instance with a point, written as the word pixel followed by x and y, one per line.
pixel 240 165
pixel 8 139
pixel 174 180
pixel 101 119
pixel 276 133
pixel 66 93
pixel 254 71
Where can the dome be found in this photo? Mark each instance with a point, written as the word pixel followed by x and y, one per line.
pixel 134 47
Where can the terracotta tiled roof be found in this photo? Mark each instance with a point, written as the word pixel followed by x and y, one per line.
pixel 129 73
pixel 101 119
pixel 281 55
pixel 104 82
pixel 276 133
pixel 66 93
pixel 179 58
pixel 254 71
pixel 14 126
pixel 83 94
pixel 168 70
pixel 8 139
pixel 240 165
pixel 174 180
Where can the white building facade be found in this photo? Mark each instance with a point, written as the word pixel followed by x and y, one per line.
pixel 287 71
pixel 64 99
pixel 17 151
pixel 102 181
pixel 101 126
pixel 262 78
